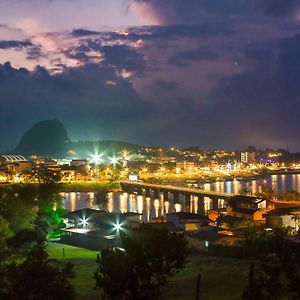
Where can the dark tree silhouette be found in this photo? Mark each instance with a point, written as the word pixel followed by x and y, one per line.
pixel 149 258
pixel 38 278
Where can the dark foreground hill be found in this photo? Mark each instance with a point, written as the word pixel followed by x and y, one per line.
pixel 47 138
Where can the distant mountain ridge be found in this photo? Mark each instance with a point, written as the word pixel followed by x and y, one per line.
pixel 106 147
pixel 50 138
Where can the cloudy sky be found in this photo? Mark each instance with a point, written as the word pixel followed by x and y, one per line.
pixel 213 73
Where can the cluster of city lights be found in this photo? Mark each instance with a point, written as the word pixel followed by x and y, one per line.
pixel 84 222
pixel 98 159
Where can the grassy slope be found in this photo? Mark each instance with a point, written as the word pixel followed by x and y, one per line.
pixel 222 278
pixel 84 262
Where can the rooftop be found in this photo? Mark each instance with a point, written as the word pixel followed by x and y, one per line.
pixel 13 158
pixel 247 199
pixel 284 211
pixel 189 216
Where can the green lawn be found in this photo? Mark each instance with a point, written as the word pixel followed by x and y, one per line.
pixel 222 278
pixel 84 262
pixel 84 186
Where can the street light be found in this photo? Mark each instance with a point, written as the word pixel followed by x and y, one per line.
pixel 84 222
pixel 117 226
pixel 96 158
pixel 114 160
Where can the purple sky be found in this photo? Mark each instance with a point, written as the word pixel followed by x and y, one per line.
pixel 212 73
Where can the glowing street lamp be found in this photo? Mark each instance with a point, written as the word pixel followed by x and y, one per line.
pixel 84 222
pixel 114 160
pixel 96 158
pixel 117 226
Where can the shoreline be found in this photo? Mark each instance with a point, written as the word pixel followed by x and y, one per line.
pixel 100 186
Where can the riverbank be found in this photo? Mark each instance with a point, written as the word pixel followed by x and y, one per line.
pixel 213 179
pixel 77 187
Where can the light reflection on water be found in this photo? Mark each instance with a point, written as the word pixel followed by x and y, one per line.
pixel 124 202
pixel 280 183
pixel 149 207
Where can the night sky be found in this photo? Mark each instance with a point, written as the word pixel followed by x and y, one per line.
pixel 213 73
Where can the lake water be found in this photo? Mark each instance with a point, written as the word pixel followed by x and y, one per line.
pixel 149 207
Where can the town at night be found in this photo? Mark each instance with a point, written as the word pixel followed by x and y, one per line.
pixel 149 150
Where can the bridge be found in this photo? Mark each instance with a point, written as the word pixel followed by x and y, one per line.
pixel 204 199
pixel 172 189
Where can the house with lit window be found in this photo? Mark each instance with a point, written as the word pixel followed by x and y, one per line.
pixel 284 217
pixel 189 222
pixel 247 208
pixel 95 229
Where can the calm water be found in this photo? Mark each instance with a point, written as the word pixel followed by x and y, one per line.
pixel 149 207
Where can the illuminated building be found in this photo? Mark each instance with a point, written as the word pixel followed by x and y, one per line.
pixel 247 157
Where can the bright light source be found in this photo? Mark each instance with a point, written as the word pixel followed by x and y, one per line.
pixel 117 226
pixel 84 222
pixel 113 160
pixel 96 158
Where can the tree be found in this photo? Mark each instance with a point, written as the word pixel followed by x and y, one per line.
pixel 265 283
pixel 38 278
pixel 17 206
pixel 101 200
pixel 48 176
pixel 277 275
pixel 25 240
pixel 5 233
pixel 149 258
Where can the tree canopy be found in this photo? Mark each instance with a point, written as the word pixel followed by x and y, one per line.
pixel 148 257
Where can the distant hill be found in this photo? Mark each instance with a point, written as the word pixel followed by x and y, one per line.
pixel 50 138
pixel 106 147
pixel 47 138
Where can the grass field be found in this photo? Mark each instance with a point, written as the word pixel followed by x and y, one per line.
pixel 85 186
pixel 84 262
pixel 222 278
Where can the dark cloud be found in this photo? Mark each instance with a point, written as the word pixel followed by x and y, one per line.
pixel 83 32
pixel 194 11
pixel 34 53
pixel 261 106
pixel 14 44
pixel 205 29
pixel 183 58
pixel 217 74
pixel 123 57
pixel 80 97
pixel 278 7
pixel 257 106
pixel 165 85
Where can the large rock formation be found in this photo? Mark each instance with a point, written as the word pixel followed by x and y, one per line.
pixel 47 138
